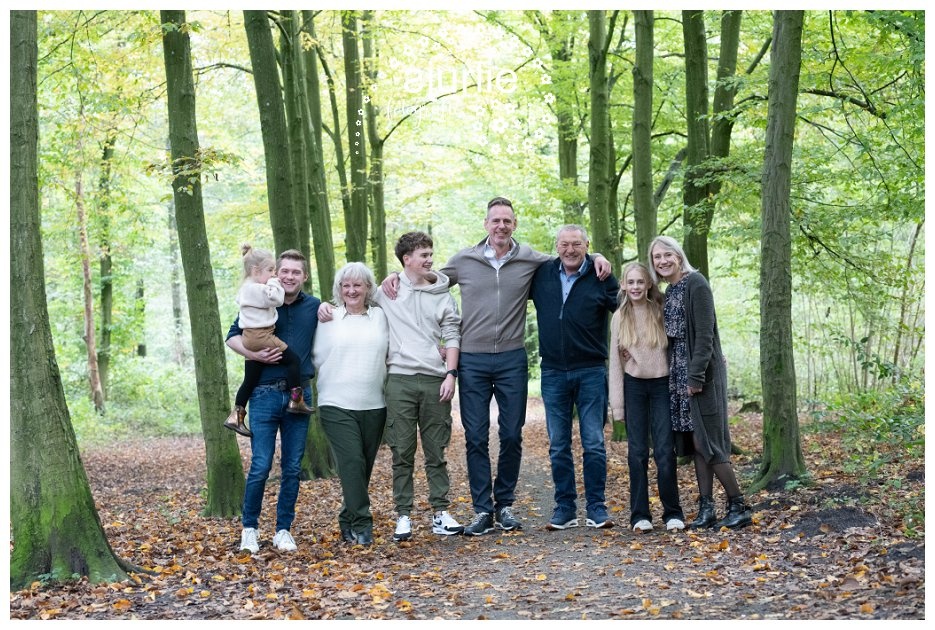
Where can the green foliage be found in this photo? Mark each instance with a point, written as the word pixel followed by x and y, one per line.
pixel 148 398
pixel 877 427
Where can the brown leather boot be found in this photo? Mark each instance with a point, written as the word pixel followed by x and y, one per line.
pixel 234 421
pixel 297 402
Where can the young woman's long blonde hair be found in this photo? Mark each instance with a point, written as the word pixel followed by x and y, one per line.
pixel 655 331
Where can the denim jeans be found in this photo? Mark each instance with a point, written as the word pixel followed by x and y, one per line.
pixel 562 392
pixel 505 376
pixel 268 415
pixel 647 413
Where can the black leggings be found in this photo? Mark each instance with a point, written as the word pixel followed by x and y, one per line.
pixel 254 369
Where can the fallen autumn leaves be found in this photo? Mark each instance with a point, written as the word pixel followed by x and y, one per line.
pixel 833 550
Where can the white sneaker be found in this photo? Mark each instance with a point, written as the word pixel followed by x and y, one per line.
pixel 284 541
pixel 444 524
pixel 403 528
pixel 642 525
pixel 674 524
pixel 248 540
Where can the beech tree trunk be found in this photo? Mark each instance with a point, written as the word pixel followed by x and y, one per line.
pixel 644 209
pixel 55 528
pixel 225 478
pixel 279 178
pixel 375 182
pixel 598 172
pixel 319 211
pixel 106 265
pixel 694 191
pixel 94 377
pixel 782 450
pixel 356 220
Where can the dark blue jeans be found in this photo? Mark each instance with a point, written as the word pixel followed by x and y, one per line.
pixel 504 376
pixel 647 414
pixel 268 415
pixel 562 392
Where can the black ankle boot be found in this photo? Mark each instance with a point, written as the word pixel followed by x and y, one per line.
pixel 738 515
pixel 706 515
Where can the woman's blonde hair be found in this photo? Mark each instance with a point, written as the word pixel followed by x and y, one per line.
pixel 354 271
pixel 667 242
pixel 253 258
pixel 655 333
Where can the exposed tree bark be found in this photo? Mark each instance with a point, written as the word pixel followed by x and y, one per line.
pixel 94 377
pixel 293 79
pixel 106 266
pixel 782 450
pixel 225 478
pixel 335 135
pixel 644 208
pixel 55 528
pixel 356 220
pixel 378 206
pixel 279 178
pixel 179 351
pixel 319 212
pixel 598 173
pixel 698 208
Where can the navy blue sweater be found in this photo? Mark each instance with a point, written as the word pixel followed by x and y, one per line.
pixel 572 335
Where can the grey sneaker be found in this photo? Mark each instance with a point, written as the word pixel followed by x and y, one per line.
pixel 248 540
pixel 482 523
pixel 506 521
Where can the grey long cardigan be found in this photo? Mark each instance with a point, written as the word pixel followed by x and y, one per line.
pixel 707 370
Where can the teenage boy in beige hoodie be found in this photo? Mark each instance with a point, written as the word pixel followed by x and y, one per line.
pixel 420 384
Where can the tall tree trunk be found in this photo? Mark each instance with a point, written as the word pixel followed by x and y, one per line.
pixel 378 206
pixel 105 261
pixel 695 191
pixel 55 528
pixel 335 135
pixel 319 212
pixel 724 91
pixel 356 220
pixel 598 173
pixel 782 450
pixel 94 378
pixel 644 210
pixel 279 178
pixel 179 353
pixel 225 479
pixel 293 79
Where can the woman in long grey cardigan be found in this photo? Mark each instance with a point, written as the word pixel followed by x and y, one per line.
pixel 697 382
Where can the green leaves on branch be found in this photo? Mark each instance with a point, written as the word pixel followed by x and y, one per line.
pixel 186 171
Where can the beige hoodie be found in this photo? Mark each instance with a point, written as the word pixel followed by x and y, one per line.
pixel 420 318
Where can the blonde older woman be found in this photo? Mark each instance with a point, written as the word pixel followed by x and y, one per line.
pixel 697 382
pixel 350 358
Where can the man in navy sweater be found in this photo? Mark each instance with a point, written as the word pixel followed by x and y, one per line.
pixel 572 308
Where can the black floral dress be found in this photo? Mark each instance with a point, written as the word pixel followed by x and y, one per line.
pixel 674 320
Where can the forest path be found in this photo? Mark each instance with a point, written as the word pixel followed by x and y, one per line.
pixel 812 553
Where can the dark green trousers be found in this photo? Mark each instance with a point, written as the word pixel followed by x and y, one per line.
pixel 355 438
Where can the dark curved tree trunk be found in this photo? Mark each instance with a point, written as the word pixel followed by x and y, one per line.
pixel 356 220
pixel 644 209
pixel 55 527
pixel 225 478
pixel 599 170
